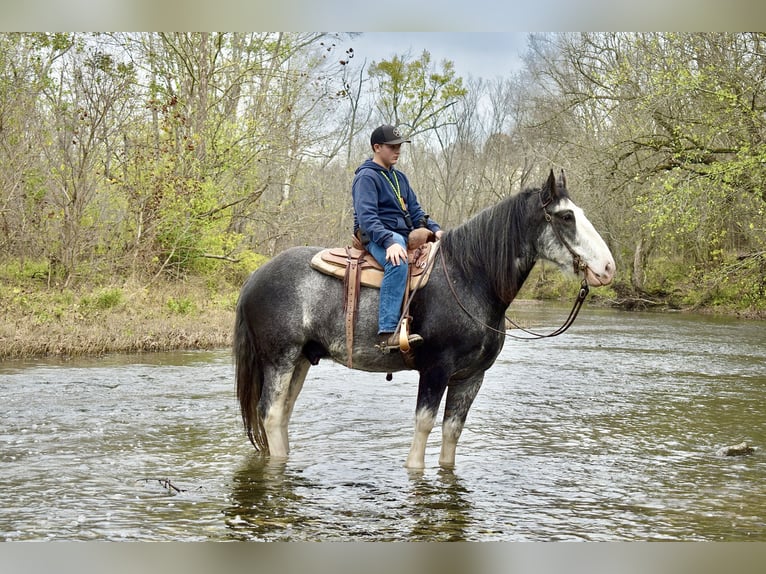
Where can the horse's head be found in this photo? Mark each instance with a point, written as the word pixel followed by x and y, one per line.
pixel 569 240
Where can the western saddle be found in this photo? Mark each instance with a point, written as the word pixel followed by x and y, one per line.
pixel 357 267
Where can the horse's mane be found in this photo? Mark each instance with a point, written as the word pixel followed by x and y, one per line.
pixel 490 245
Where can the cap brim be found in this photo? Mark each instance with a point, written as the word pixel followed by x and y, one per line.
pixel 397 141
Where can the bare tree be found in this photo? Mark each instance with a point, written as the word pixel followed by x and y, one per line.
pixel 87 103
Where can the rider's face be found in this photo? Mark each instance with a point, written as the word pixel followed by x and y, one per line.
pixel 388 154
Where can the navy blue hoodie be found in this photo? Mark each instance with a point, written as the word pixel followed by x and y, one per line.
pixel 376 208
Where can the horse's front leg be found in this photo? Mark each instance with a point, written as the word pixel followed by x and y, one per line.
pixel 430 392
pixel 460 397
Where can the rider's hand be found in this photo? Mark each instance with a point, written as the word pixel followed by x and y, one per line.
pixel 396 254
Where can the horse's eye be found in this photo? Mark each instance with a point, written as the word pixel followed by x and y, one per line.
pixel 567 216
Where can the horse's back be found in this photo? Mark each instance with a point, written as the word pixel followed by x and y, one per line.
pixel 285 263
pixel 281 278
pixel 280 298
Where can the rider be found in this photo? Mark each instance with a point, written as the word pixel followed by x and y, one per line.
pixel 386 210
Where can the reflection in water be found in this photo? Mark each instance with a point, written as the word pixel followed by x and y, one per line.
pixel 265 503
pixel 440 507
pixel 275 501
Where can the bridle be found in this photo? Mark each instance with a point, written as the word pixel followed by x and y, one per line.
pixel 578 264
pixel 579 267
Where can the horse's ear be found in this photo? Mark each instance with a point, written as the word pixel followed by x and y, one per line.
pixel 562 180
pixel 548 192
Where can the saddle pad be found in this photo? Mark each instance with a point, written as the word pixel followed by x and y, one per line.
pixel 334 261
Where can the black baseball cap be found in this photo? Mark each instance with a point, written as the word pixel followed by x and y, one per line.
pixel 387 134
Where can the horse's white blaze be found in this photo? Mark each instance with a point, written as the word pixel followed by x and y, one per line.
pixel 424 423
pixel 587 243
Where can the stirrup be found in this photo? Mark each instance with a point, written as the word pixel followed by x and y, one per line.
pixel 393 342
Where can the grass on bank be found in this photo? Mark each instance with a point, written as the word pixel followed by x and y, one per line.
pixel 129 316
pixel 113 319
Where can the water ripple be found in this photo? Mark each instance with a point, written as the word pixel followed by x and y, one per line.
pixel 609 432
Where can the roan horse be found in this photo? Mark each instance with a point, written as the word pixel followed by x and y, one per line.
pixel 289 316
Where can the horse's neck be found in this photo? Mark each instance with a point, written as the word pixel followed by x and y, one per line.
pixel 521 274
pixel 478 275
pixel 499 244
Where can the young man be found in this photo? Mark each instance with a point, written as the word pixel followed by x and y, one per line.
pixel 386 210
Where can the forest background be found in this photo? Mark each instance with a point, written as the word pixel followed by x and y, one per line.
pixel 143 176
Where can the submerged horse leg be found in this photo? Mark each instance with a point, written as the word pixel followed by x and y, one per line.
pixel 430 392
pixel 460 397
pixel 279 395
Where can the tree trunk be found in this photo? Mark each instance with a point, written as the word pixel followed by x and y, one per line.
pixel 640 256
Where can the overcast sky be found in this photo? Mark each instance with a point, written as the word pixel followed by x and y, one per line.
pixel 478 54
pixel 437 15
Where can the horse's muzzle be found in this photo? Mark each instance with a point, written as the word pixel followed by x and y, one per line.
pixel 600 276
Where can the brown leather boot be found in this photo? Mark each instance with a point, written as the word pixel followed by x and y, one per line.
pixel 390 341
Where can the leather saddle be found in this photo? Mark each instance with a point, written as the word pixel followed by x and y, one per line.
pixel 357 267
pixel 337 260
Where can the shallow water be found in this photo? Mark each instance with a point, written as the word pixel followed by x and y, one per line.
pixel 609 432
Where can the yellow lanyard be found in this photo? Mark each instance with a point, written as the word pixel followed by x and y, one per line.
pixel 396 188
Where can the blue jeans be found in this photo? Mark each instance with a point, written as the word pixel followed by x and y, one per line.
pixel 392 288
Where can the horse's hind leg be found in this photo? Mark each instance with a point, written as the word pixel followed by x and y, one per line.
pixel 460 397
pixel 277 401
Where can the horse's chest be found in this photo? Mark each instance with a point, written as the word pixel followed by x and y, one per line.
pixel 478 357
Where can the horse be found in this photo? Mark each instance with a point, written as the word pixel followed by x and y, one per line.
pixel 289 316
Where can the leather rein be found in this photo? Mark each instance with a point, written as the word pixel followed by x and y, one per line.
pixel 579 267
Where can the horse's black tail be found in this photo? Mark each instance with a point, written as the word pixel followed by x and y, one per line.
pixel 249 376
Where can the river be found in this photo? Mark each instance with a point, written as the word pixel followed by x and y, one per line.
pixel 609 432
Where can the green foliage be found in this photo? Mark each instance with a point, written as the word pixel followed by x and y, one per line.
pixel 227 300
pixel 665 273
pixel 181 305
pixel 738 284
pixel 415 92
pixel 103 300
pixel 15 271
pixel 248 262
pixel 179 226
pixel 108 298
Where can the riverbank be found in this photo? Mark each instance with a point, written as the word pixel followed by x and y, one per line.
pixel 115 319
pixel 193 314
